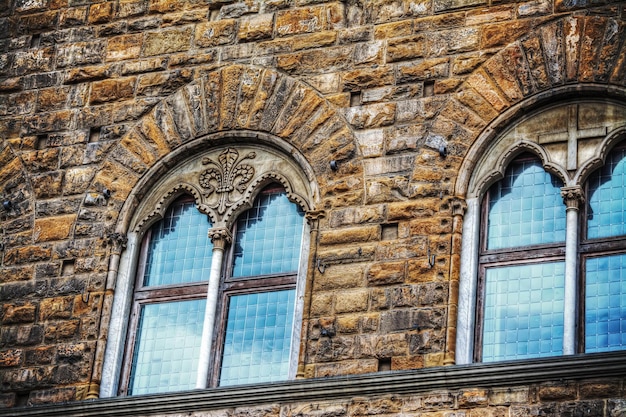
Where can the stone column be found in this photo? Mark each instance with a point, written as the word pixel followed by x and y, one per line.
pixel 118 243
pixel 458 210
pixel 313 218
pixel 573 198
pixel 220 238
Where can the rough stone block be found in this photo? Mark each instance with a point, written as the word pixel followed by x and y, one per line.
pixel 53 395
pixel 53 228
pixel 473 398
pixel 21 335
pixel 27 254
pixel 557 392
pixel 222 32
pixel 112 90
pixel 367 233
pixel 40 355
pixel 349 367
pixel 386 273
pixel 124 47
pixel 80 53
pixel 255 27
pixel 101 12
pixel 399 363
pixel 61 330
pixel 297 21
pixel 167 41
pixel 352 301
pixel 18 313
pixel 11 357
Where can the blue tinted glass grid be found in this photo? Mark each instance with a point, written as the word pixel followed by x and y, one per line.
pixel 525 208
pixel 167 347
pixel 269 237
pixel 523 315
pixel 180 249
pixel 607 202
pixel 605 303
pixel 258 338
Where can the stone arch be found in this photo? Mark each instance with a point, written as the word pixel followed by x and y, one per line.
pixel 230 104
pixel 571 57
pixel 558 60
pixel 251 106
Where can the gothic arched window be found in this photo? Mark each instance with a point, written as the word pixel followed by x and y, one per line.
pixel 543 264
pixel 212 283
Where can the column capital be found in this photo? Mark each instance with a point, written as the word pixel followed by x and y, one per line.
pixel 573 197
pixel 314 215
pixel 117 241
pixel 459 206
pixel 220 237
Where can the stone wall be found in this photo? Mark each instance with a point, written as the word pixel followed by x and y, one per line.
pixel 94 94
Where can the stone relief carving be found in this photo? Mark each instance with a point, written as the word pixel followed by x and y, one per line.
pixel 224 181
pixel 224 176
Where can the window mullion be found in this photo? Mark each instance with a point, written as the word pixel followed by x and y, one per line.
pixel 219 238
pixel 572 197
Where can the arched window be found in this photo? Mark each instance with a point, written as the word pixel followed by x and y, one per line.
pixel 257 295
pixel 210 287
pixel 522 265
pixel 543 263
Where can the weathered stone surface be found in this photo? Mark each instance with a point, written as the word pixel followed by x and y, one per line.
pixel 24 313
pixel 53 228
pixel 111 94
pixel 352 301
pixel 124 47
pixel 209 34
pixel 255 27
pixel 167 41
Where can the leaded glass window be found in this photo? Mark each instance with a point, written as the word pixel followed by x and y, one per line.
pixel 522 303
pixel 257 289
pixel 604 254
pixel 521 307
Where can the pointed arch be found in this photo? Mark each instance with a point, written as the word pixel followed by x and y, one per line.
pixel 555 61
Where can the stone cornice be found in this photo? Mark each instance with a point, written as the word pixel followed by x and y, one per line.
pixel 504 374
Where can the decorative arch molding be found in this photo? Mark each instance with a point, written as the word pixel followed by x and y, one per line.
pixel 602 152
pixel 232 105
pixel 224 182
pixel 570 58
pixel 570 138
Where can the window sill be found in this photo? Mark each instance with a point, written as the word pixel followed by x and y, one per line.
pixel 501 374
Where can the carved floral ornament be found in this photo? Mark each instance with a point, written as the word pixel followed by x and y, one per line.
pixel 224 182
pixel 224 177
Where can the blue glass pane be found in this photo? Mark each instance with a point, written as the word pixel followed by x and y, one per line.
pixel 605 303
pixel 269 236
pixel 607 202
pixel 523 315
pixel 167 347
pixel 525 208
pixel 180 249
pixel 258 338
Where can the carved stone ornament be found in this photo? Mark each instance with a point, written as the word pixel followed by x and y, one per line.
pixel 573 197
pixel 226 175
pixel 223 182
